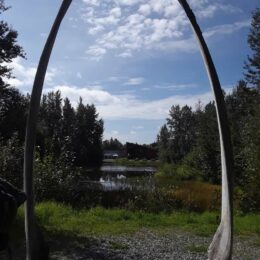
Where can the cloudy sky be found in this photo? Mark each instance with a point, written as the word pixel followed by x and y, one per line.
pixel 133 59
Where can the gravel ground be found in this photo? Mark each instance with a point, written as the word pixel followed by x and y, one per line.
pixel 146 245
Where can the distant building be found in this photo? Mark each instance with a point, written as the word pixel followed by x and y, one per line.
pixel 114 154
pixel 137 151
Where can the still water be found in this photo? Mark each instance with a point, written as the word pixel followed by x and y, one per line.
pixel 112 178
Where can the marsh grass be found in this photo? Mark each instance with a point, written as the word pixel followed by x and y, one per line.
pixel 198 196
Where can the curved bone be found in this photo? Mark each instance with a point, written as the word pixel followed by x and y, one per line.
pixel 221 245
pixel 31 244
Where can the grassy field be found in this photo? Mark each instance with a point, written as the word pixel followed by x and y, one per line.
pixel 135 163
pixel 60 219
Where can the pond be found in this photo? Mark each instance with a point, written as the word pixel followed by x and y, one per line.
pixel 112 178
pixel 123 186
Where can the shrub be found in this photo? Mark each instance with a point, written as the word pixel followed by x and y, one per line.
pixel 177 172
pixel 11 161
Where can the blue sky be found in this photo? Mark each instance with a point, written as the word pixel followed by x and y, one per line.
pixel 133 59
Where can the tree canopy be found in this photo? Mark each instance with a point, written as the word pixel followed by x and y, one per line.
pixel 9 48
pixel 252 65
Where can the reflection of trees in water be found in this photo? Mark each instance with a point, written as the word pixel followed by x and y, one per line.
pixel 118 182
pixel 111 189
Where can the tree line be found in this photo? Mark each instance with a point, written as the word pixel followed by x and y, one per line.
pixel 190 137
pixel 66 135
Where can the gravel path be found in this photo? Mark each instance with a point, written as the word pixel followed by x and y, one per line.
pixel 147 245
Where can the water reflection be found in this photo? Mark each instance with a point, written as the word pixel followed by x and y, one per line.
pixel 112 178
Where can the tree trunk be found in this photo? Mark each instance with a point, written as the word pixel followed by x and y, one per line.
pixel 221 245
pixel 30 232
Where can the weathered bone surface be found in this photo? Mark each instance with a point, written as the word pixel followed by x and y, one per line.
pixel 32 248
pixel 221 246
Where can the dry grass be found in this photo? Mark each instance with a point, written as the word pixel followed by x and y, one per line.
pixel 198 196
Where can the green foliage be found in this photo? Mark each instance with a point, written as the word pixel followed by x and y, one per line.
pixel 190 139
pixel 62 129
pixel 100 221
pixel 13 108
pixel 11 161
pixel 252 66
pixel 9 49
pixel 181 131
pixel 88 138
pixel 112 144
pixel 135 163
pixel 54 179
pixel 176 172
pixel 165 153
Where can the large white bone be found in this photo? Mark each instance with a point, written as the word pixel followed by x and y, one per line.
pixel 32 249
pixel 221 245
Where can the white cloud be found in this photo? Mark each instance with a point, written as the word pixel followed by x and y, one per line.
pixel 134 81
pixel 24 76
pixel 95 30
pixel 145 9
pixel 91 2
pixel 116 12
pixel 115 132
pixel 126 2
pixel 177 86
pixel 226 28
pixel 128 106
pixel 90 95
pixel 96 52
pixel 129 26
pixel 125 54
pixel 207 9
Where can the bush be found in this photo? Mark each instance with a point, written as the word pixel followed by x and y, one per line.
pixel 11 161
pixel 53 180
pixel 177 172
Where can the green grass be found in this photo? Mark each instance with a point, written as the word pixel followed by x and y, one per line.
pixel 137 163
pixel 118 246
pixel 197 248
pixel 60 219
pixel 257 242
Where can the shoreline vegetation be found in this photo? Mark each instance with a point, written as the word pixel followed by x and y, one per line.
pixel 116 232
pixel 57 219
pixel 135 163
pixel 184 194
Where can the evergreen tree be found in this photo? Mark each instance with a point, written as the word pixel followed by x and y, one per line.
pixel 68 119
pixel 112 144
pixel 13 107
pixel 182 130
pixel 252 65
pixel 206 146
pixel 50 123
pixel 9 49
pixel 163 141
pixel 241 105
pixel 88 138
pixel 12 103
